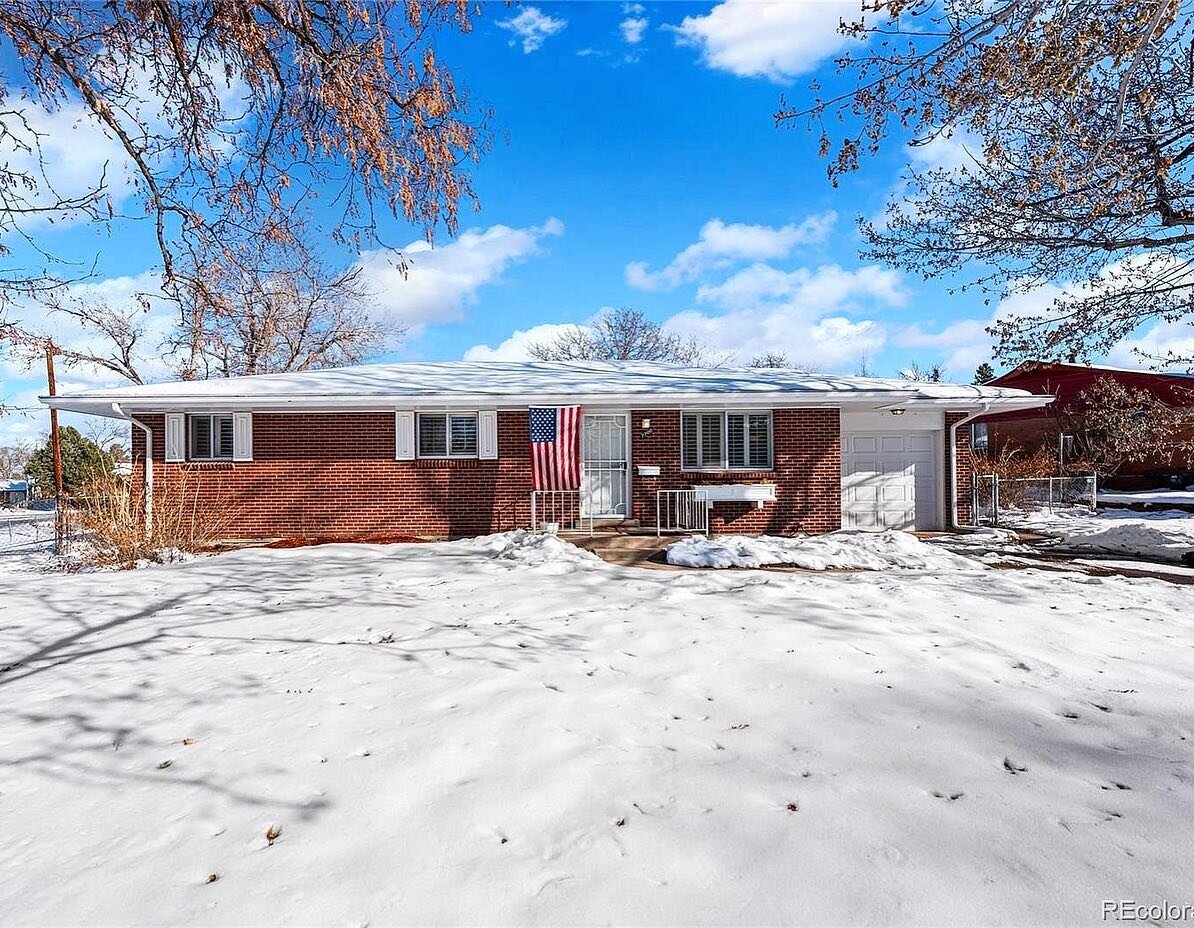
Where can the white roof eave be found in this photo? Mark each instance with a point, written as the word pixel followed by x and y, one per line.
pixel 106 405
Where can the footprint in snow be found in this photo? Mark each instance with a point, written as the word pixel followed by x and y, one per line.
pixel 1012 767
pixel 952 797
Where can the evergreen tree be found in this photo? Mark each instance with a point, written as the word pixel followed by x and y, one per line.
pixel 82 460
pixel 984 373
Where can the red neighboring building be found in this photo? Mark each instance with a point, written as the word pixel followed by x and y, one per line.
pixel 1031 429
pixel 439 450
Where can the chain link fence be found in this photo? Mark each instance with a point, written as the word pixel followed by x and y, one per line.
pixel 1000 499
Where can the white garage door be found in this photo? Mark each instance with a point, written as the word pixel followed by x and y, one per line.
pixel 889 480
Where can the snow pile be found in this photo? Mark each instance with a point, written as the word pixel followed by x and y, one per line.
pixel 1165 535
pixel 842 550
pixel 529 550
pixel 983 536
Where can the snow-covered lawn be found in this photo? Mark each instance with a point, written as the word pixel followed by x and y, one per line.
pixel 504 731
pixel 1164 535
pixel 1149 497
pixel 25 532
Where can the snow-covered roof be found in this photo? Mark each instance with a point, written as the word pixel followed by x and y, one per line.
pixel 519 383
pixel 12 486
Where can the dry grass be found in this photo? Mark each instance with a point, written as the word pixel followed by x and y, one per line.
pixel 110 511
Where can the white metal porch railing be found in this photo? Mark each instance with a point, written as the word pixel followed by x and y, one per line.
pixel 682 511
pixel 559 508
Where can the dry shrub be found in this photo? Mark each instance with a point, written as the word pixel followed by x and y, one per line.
pixel 110 511
pixel 1012 463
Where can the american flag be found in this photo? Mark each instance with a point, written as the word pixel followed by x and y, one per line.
pixel 555 448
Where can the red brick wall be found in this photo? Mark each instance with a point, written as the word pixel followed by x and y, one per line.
pixel 807 473
pixel 960 485
pixel 334 474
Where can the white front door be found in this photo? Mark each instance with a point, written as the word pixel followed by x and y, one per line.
pixel 889 480
pixel 604 491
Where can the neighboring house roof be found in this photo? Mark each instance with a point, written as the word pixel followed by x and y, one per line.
pixel 13 486
pixel 519 383
pixel 1065 381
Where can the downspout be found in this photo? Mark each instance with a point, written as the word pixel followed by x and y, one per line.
pixel 953 468
pixel 148 466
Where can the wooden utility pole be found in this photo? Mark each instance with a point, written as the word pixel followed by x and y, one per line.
pixel 55 450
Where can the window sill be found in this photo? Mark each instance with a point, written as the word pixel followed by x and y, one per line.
pixel 730 472
pixel 450 462
pixel 218 464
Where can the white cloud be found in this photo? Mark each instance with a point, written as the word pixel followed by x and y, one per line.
pixel 828 285
pixel 121 294
pixel 517 346
pixel 1157 341
pixel 634 25
pixel 947 152
pixel 721 244
pixel 777 39
pixel 532 26
pixel 960 346
pixel 22 382
pixel 441 281
pixel 809 314
pixel 828 343
pixel 812 315
pixel 76 153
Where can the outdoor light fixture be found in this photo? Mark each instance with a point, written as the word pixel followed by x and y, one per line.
pixel 646 425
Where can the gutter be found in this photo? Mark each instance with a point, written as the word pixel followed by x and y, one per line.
pixel 121 414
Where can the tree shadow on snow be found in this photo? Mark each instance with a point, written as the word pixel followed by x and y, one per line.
pixel 99 655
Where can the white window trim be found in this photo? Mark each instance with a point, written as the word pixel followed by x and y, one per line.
pixel 724 467
pixel 209 415
pixel 447 414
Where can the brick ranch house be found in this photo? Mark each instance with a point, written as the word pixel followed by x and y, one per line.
pixel 1042 427
pixel 442 450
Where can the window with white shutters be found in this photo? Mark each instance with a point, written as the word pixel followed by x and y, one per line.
pixel 726 441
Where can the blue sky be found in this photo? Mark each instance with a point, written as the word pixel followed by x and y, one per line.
pixel 635 163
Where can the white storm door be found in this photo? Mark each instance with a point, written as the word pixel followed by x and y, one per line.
pixel 604 445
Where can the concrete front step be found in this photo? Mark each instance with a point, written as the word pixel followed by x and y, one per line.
pixel 627 550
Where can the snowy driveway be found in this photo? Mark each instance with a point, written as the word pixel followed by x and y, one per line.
pixel 486 732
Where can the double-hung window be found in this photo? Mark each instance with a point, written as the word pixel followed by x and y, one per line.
pixel 447 435
pixel 211 437
pixel 726 441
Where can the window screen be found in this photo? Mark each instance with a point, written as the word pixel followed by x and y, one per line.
pixel 448 435
pixel 211 438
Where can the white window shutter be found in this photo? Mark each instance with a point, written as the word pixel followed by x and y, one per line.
pixel 176 437
pixel 404 436
pixel 487 441
pixel 242 436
